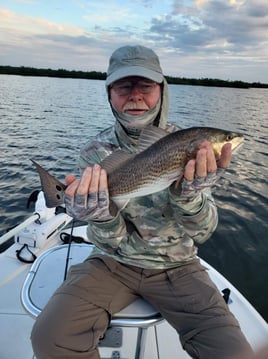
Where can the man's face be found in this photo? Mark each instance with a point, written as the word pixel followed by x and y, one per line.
pixel 134 95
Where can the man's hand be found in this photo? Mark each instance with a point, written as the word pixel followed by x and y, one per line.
pixel 206 162
pixel 205 169
pixel 87 199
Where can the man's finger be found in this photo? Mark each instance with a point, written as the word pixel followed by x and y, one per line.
pixel 85 182
pixel 226 155
pixel 211 161
pixel 95 179
pixel 72 188
pixel 201 163
pixel 103 185
pixel 69 179
pixel 189 170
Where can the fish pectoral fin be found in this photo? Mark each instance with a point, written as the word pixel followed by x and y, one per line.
pixel 150 135
pixel 120 203
pixel 115 160
pixel 52 188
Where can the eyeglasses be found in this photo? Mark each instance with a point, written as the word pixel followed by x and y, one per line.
pixel 123 88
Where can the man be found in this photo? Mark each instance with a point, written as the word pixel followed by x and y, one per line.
pixel 147 248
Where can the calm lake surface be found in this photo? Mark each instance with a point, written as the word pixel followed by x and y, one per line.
pixel 48 119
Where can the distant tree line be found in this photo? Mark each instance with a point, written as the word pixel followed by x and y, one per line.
pixel 97 75
pixel 213 82
pixel 30 71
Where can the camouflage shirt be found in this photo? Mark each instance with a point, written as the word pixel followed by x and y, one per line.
pixel 155 231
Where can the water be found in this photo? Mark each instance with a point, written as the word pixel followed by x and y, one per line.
pixel 48 119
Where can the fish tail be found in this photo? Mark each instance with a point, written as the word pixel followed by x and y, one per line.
pixel 52 188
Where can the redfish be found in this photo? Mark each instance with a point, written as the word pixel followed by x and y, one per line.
pixel 159 161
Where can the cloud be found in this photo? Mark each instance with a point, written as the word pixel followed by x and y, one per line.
pixel 217 24
pixel 232 34
pixel 208 38
pixel 238 25
pixel 38 42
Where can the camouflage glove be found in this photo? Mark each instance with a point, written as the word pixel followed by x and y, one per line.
pixel 95 206
pixel 194 187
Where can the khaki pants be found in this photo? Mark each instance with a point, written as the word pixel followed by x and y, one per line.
pixel 78 313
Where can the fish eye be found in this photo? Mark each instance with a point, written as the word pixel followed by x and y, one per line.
pixel 229 137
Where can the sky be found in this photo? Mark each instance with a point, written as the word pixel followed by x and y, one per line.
pixel 225 39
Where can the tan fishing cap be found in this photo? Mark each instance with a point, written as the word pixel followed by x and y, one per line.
pixel 134 61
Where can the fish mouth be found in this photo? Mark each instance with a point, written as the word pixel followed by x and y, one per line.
pixel 237 143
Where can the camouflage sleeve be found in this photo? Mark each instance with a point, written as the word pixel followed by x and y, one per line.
pixel 197 214
pixel 107 235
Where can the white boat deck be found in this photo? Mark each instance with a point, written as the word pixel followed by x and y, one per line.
pixel 162 340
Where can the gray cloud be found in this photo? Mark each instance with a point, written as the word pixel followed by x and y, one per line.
pixel 238 26
pixel 256 9
pixel 169 31
pixel 216 25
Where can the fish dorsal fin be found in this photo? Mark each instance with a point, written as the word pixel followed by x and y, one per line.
pixel 115 160
pixel 150 135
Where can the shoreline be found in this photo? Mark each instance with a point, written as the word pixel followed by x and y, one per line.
pixel 97 75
